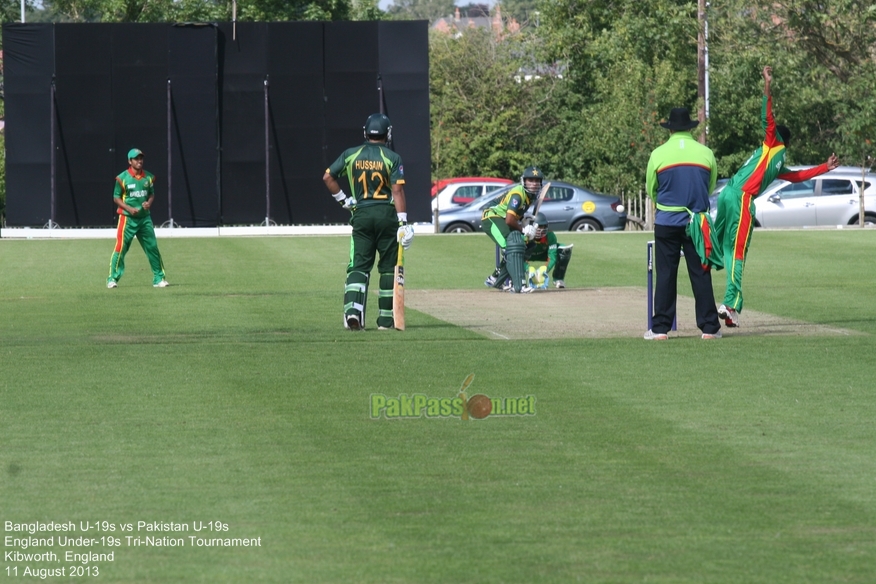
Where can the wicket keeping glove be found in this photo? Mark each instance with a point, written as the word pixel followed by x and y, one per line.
pixel 544 277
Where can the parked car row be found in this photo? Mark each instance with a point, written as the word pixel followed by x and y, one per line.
pixel 567 207
pixel 827 200
pixel 456 192
pixel 831 199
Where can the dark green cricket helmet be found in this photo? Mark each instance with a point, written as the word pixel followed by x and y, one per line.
pixel 542 223
pixel 532 174
pixel 378 127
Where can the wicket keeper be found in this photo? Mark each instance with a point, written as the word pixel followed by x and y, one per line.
pixel 544 247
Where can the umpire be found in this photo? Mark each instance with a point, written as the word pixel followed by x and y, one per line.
pixel 376 179
pixel 681 174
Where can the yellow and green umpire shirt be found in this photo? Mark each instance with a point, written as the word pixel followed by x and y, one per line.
pixel 371 170
pixel 134 190
pixel 516 200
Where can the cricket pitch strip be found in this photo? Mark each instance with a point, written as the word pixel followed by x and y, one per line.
pixel 583 313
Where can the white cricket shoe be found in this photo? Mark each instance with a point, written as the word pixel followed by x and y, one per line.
pixel 524 289
pixel 729 316
pixel 652 336
pixel 559 284
pixel 708 336
pixel 352 323
pixel 112 284
pixel 161 284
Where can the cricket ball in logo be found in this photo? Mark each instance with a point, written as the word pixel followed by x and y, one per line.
pixel 479 406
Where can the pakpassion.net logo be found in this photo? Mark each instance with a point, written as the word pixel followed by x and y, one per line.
pixel 478 406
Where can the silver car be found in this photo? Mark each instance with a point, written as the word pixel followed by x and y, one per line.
pixel 830 199
pixel 567 207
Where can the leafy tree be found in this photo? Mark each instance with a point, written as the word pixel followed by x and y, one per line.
pixel 197 10
pixel 365 10
pixel 10 10
pixel 420 9
pixel 823 64
pixel 838 34
pixel 628 63
pixel 592 35
pixel 484 113
pixel 856 117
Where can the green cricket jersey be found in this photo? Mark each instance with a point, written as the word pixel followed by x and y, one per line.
pixel 516 200
pixel 134 190
pixel 371 170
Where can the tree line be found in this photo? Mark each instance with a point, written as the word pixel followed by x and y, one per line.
pixel 602 75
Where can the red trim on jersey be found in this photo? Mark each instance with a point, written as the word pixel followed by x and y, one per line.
pixel 120 233
pixel 744 228
pixel 707 239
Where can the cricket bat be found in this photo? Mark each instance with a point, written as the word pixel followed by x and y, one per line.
pixel 398 291
pixel 541 195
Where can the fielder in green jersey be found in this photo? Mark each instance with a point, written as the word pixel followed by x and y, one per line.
pixel 376 178
pixel 133 195
pixel 735 219
pixel 503 224
pixel 544 247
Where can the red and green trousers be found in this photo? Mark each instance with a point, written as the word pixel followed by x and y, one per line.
pixel 144 231
pixel 733 227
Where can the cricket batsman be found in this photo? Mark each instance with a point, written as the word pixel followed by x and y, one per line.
pixel 735 219
pixel 503 224
pixel 376 177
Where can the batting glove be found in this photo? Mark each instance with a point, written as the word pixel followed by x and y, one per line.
pixel 529 232
pixel 405 235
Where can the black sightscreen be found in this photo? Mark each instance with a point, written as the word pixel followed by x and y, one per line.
pixel 243 73
pixel 403 52
pixel 139 105
pixel 201 104
pixel 85 135
pixel 29 61
pixel 297 119
pixel 351 70
pixel 193 72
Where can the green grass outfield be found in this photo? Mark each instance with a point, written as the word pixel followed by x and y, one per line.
pixel 235 396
